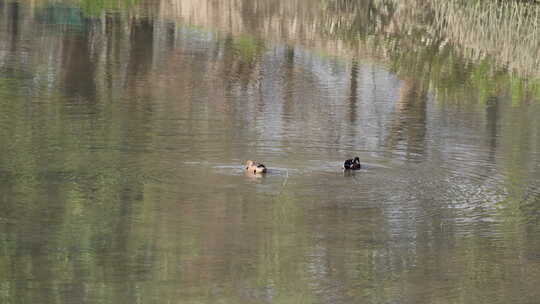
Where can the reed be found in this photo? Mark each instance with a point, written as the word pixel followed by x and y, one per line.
pixel 507 31
pixel 494 40
pixel 497 40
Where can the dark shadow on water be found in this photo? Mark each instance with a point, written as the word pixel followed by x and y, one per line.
pixel 141 53
pixel 409 126
pixel 79 77
pixel 353 98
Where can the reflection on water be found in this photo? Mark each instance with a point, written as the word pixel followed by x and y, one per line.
pixel 123 131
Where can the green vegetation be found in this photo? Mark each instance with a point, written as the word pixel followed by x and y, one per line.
pixel 247 47
pixel 96 7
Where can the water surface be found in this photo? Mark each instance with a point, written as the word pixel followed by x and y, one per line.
pixel 123 130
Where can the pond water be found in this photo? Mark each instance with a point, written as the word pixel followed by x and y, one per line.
pixel 124 126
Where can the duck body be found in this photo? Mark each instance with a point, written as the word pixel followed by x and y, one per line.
pixel 255 167
pixel 352 164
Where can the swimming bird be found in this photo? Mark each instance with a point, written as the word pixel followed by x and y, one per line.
pixel 352 164
pixel 255 167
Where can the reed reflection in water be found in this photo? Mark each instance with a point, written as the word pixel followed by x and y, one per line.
pixel 122 136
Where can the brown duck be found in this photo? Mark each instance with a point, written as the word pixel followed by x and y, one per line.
pixel 255 167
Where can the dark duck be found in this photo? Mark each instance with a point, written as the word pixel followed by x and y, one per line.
pixel 352 164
